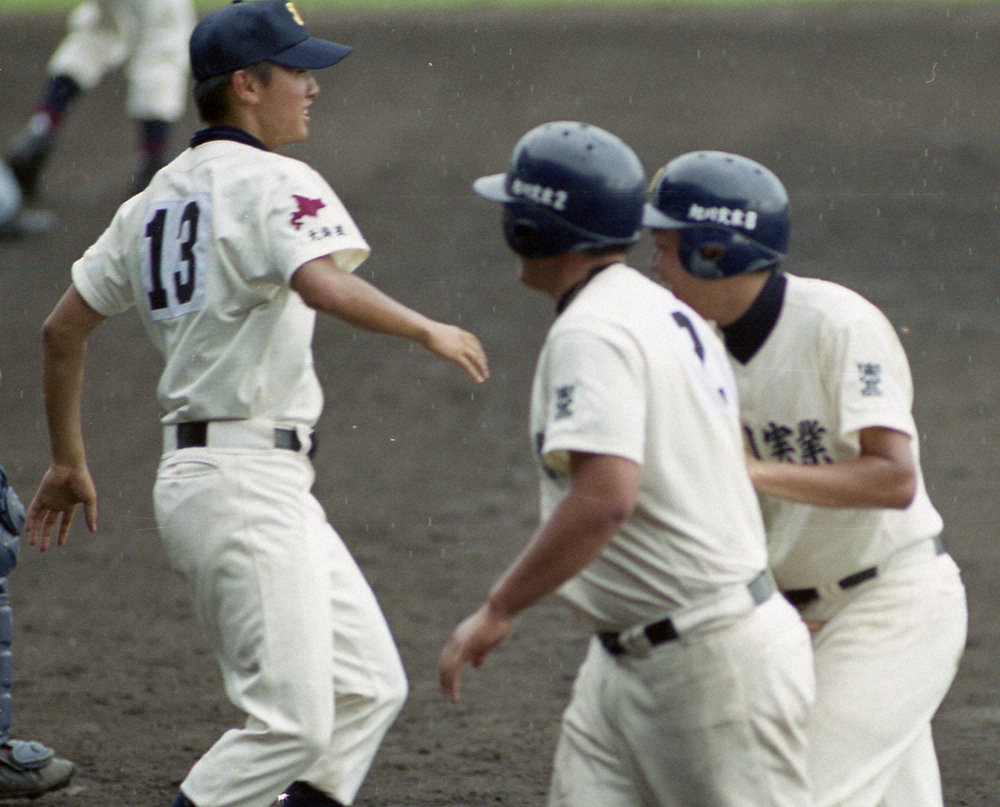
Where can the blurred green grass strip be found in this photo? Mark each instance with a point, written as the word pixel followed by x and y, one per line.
pixel 10 7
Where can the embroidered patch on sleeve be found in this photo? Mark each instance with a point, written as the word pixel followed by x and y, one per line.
pixel 564 402
pixel 870 375
pixel 306 207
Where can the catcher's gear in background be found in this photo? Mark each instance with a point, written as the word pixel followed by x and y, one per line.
pixel 568 186
pixel 732 213
pixel 11 523
pixel 27 768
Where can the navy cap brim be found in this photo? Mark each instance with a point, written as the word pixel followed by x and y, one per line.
pixel 493 188
pixel 312 54
pixel 655 220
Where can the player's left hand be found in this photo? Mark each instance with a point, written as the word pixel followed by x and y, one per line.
pixel 61 491
pixel 459 346
pixel 471 642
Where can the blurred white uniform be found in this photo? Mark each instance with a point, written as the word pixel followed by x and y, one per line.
pixel 715 716
pixel 205 255
pixel 816 363
pixel 152 35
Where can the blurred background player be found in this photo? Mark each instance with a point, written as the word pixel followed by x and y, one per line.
pixel 150 37
pixel 17 221
pixel 27 769
pixel 697 681
pixel 855 543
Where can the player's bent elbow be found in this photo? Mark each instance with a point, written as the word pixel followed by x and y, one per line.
pixel 59 338
pixel 904 497
pixel 902 490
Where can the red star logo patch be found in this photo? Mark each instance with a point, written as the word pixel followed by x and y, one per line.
pixel 306 207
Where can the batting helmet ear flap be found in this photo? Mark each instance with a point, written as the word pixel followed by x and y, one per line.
pixel 523 233
pixel 732 213
pixel 534 231
pixel 715 252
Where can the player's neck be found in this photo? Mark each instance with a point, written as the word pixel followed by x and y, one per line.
pixel 557 275
pixel 734 296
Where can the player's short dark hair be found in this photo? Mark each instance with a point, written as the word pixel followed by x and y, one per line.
pixel 211 98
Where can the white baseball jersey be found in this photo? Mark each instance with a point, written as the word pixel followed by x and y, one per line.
pixel 831 366
pixel 151 35
pixel 650 383
pixel 816 364
pixel 218 248
pixel 628 370
pixel 206 254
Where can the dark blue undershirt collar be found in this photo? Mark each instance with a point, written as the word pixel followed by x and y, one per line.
pixel 572 291
pixel 226 132
pixel 747 335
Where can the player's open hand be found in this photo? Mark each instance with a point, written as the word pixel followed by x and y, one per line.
pixel 461 347
pixel 61 491
pixel 471 642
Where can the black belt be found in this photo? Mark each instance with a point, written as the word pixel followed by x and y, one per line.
pixel 801 597
pixel 194 434
pixel 664 631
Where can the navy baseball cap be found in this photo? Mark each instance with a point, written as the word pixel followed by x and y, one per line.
pixel 242 34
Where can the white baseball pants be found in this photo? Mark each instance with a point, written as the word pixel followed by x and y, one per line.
pixel 152 35
pixel 304 649
pixel 716 718
pixel 885 660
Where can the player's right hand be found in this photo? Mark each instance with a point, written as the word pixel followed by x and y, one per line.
pixel 471 642
pixel 459 346
pixel 61 491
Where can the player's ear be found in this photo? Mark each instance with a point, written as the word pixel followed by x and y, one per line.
pixel 245 86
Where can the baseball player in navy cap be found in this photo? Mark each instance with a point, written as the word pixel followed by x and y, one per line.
pixel 226 257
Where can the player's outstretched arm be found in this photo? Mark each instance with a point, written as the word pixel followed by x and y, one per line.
pixel 326 288
pixel 602 497
pixel 67 484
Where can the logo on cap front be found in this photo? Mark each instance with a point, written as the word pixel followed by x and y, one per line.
pixel 294 12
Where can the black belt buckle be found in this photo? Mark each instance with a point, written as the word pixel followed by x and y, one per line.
pixel 801 597
pixel 192 434
pixel 657 633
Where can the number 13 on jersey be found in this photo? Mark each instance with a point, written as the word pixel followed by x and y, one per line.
pixel 173 262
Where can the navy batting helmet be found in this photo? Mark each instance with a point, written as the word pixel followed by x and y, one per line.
pixel 569 186
pixel 732 213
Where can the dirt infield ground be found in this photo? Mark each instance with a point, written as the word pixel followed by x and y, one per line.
pixel 884 124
